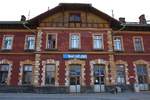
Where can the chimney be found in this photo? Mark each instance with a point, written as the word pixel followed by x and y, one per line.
pixel 142 19
pixel 122 20
pixel 23 18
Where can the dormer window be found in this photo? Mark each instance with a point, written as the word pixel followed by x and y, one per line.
pixel 74 17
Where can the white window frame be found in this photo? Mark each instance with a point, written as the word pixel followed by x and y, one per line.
pixel 102 42
pixel 55 40
pixel 26 38
pixel 4 38
pixel 8 73
pixel 142 45
pixel 70 42
pixel 121 42
pixel 121 82
pixel 23 74
pixel 54 65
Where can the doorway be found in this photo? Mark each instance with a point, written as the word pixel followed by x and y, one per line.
pixel 99 78
pixel 75 78
pixel 142 76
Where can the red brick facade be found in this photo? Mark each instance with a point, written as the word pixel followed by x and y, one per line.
pixel 41 55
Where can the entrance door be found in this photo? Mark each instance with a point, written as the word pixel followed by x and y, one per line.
pixel 75 75
pixel 99 78
pixel 142 77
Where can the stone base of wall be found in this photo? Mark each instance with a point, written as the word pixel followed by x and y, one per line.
pixel 120 88
pixel 16 89
pixel 58 89
pixel 51 89
pixel 86 89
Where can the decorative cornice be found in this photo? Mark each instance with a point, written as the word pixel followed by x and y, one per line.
pixel 79 29
pixel 8 53
pixel 16 30
pixel 124 54
pixel 130 32
pixel 74 52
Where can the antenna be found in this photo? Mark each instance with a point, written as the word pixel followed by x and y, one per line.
pixel 112 11
pixel 48 7
pixel 29 15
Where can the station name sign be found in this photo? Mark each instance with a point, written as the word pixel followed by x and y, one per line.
pixel 74 56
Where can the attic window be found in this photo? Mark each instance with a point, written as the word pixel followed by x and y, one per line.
pixel 74 17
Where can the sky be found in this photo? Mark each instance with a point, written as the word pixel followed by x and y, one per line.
pixel 11 10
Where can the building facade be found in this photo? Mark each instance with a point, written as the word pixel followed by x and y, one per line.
pixel 74 48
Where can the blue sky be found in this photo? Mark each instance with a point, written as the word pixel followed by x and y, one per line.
pixel 130 9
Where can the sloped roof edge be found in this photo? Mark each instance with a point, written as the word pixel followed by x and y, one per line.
pixel 73 6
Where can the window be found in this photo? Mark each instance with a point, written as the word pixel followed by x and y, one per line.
pixel 118 44
pixel 74 17
pixel 75 41
pixel 98 42
pixel 50 74
pixel 142 73
pixel 7 42
pixel 30 43
pixel 51 41
pixel 138 44
pixel 4 69
pixel 120 74
pixel 27 74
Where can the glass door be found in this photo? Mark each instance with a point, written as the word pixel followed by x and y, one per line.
pixel 75 76
pixel 99 78
pixel 142 77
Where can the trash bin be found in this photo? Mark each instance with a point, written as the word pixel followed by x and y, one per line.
pixel 136 87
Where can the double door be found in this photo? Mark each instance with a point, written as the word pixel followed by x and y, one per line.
pixel 75 78
pixel 99 78
pixel 142 76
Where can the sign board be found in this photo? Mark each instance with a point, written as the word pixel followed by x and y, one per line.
pixel 74 56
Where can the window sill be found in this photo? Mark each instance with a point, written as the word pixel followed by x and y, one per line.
pixel 51 49
pixel 6 50
pixel 139 51
pixel 119 51
pixel 29 50
pixel 74 49
pixel 98 49
pixel 74 21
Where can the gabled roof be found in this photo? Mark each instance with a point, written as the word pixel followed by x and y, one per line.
pixel 74 6
pixel 34 22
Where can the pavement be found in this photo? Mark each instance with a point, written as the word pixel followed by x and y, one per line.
pixel 74 96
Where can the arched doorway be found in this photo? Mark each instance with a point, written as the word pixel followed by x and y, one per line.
pixel 75 75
